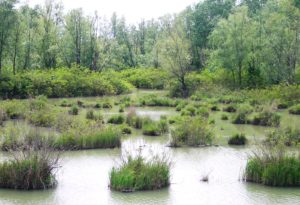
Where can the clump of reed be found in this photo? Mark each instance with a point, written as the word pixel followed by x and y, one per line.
pixel 295 110
pixel 191 132
pixel 139 174
pixel 273 166
pixel 237 139
pixel 116 119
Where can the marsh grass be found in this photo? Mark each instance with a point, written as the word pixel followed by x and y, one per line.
pixel 89 138
pixel 295 110
pixel 273 166
pixel 117 119
pixel 191 132
pixel 237 139
pixel 139 174
pixel 30 167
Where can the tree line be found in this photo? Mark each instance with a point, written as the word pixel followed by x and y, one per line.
pixel 248 43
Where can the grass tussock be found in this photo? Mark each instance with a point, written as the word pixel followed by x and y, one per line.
pixel 273 166
pixel 191 132
pixel 237 139
pixel 295 110
pixel 29 170
pixel 139 174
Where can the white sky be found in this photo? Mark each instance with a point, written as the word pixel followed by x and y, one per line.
pixel 132 10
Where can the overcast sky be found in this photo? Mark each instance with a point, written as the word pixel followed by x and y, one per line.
pixel 132 10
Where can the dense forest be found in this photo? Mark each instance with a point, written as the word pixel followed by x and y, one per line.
pixel 248 44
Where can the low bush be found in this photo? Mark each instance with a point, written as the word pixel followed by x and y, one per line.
pixel 273 167
pixel 181 105
pixel 203 112
pixel 215 108
pixel 189 110
pixel 15 109
pixel 121 108
pixel 126 130
pixel 65 103
pixel 138 174
pixel 107 105
pixel 295 110
pixel 191 132
pixel 238 139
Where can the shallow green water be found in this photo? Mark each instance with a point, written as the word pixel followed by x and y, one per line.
pixel 83 178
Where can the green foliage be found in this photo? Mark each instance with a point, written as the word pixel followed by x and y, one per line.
pixel 242 115
pixel 29 170
pixel 42 118
pixel 230 108
pixel 146 78
pixel 295 110
pixel 273 168
pixel 286 136
pixel 224 117
pixel 238 139
pixel 74 110
pixel 126 130
pixel 64 83
pixel 154 100
pixel 153 128
pixel 138 174
pixel 133 119
pixel 88 138
pixel 191 132
pixel 14 109
pixel 91 115
pixel 117 119
pixel 266 118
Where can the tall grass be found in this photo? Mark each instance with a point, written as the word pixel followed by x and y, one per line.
pixel 191 132
pixel 29 169
pixel 273 166
pixel 90 138
pixel 138 173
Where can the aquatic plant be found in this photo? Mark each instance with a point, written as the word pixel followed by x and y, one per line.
pixel 273 166
pixel 287 136
pixel 237 139
pixel 29 170
pixel 117 119
pixel 266 118
pixel 295 110
pixel 74 110
pixel 191 132
pixel 138 174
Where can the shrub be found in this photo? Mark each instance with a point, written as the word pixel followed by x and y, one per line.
pixel 117 119
pixel 273 167
pixel 97 106
pixel 74 110
pixel 295 110
pixel 238 139
pixel 38 103
pixel 189 111
pixel 29 170
pixel 191 132
pixel 137 174
pixel 266 118
pixel 203 112
pixel 282 105
pixel 181 105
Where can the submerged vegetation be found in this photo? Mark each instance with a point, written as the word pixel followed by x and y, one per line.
pixel 138 174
